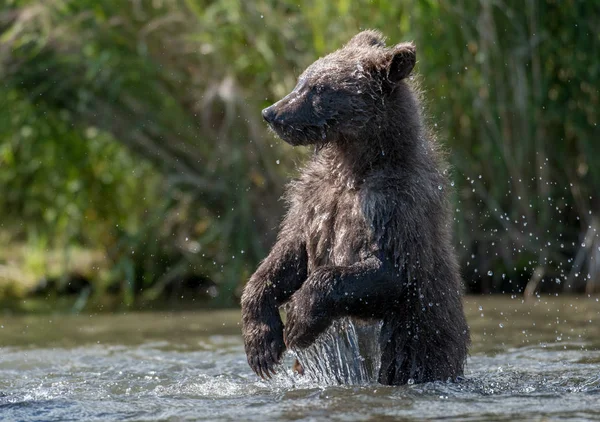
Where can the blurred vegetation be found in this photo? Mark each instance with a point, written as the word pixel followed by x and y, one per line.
pixel 133 156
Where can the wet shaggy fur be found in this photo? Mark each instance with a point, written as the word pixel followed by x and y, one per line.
pixel 368 229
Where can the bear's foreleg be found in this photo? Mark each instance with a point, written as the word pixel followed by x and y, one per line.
pixel 367 289
pixel 275 280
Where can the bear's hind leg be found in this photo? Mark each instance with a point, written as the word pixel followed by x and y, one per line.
pixel 415 353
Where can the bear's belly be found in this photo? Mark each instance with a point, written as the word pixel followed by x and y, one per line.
pixel 336 233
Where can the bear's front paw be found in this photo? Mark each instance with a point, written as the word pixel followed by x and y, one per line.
pixel 264 346
pixel 307 317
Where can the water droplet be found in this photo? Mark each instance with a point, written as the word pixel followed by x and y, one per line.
pixel 490 273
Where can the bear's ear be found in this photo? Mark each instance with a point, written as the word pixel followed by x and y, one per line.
pixel 368 38
pixel 402 59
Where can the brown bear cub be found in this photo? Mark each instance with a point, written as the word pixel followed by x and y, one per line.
pixel 367 234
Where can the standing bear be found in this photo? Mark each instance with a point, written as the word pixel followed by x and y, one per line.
pixel 367 234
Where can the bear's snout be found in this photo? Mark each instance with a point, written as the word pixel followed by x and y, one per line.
pixel 268 114
pixel 278 115
pixel 294 120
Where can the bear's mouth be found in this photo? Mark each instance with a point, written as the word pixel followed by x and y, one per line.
pixel 300 136
pixel 285 133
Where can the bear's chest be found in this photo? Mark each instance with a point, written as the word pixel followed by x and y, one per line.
pixel 335 229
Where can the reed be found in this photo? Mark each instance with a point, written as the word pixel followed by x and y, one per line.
pixel 179 84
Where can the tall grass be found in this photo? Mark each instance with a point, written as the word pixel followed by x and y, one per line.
pixel 511 88
pixel 518 108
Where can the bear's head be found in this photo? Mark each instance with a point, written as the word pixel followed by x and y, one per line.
pixel 342 95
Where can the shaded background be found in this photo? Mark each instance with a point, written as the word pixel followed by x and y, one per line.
pixel 135 168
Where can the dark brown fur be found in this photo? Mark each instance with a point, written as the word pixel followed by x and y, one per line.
pixel 368 229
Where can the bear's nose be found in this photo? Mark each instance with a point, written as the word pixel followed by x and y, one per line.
pixel 268 114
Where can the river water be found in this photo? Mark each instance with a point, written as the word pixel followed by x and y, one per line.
pixel 538 360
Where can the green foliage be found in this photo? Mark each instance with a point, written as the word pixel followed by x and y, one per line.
pixel 514 98
pixel 71 186
pixel 511 88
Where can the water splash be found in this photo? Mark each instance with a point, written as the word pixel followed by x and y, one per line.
pixel 347 353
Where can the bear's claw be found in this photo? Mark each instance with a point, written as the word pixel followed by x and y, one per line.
pixel 264 349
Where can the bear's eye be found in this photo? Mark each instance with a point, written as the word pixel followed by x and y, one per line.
pixel 319 89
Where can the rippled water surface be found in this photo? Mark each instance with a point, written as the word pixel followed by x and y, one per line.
pixel 529 361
